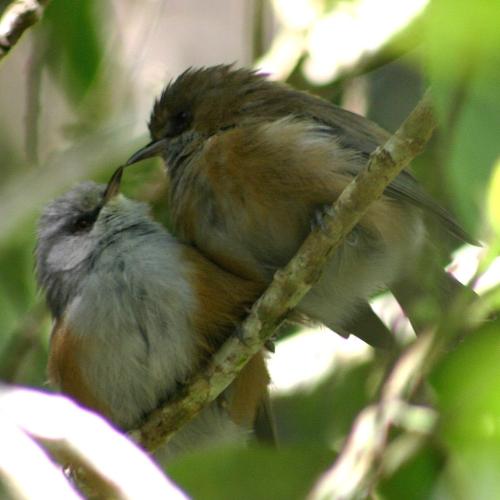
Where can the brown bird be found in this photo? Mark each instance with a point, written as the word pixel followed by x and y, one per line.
pixel 136 313
pixel 252 161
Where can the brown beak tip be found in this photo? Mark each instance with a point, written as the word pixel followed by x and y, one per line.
pixel 113 187
pixel 152 149
pixel 133 159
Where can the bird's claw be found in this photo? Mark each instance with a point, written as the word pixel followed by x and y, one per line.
pixel 318 220
pixel 240 335
pixel 268 344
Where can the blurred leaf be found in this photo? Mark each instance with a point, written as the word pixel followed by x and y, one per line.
pixel 494 198
pixel 415 479
pixel 494 216
pixel 325 414
pixel 17 287
pixel 463 56
pixel 475 145
pixel 464 28
pixel 250 473
pixel 466 383
pixel 24 350
pixel 74 50
pixel 470 476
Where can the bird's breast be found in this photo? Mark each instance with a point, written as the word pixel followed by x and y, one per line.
pixel 222 205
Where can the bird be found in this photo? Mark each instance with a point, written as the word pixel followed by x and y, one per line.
pixel 252 162
pixel 136 313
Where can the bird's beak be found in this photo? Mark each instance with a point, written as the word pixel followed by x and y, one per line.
pixel 152 149
pixel 113 187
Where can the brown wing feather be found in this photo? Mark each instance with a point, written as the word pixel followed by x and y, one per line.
pixel 362 136
pixel 65 359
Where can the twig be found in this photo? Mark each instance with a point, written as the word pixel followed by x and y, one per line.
pixel 355 470
pixel 33 93
pixel 294 281
pixel 16 19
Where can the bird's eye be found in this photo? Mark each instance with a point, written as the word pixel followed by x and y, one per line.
pixel 179 123
pixel 83 222
pixel 182 117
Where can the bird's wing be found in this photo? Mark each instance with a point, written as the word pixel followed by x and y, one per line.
pixel 363 136
pixel 407 188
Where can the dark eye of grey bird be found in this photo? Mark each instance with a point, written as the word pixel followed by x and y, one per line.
pixel 179 123
pixel 85 221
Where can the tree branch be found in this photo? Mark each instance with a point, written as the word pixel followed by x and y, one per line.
pixel 36 427
pixel 291 283
pixel 16 19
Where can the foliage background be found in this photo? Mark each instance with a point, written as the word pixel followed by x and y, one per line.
pixel 75 97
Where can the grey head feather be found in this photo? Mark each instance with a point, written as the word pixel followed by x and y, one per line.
pixel 72 231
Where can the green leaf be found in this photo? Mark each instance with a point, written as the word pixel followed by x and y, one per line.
pixel 324 415
pixel 494 199
pixel 466 385
pixel 251 473
pixel 17 285
pixel 475 144
pixel 463 61
pixel 415 479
